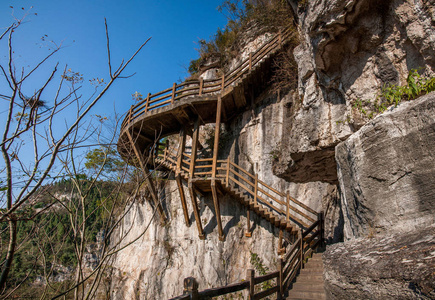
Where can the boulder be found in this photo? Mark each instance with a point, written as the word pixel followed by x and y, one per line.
pixel 386 171
pixel 388 267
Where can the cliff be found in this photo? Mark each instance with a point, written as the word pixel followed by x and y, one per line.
pixel 318 143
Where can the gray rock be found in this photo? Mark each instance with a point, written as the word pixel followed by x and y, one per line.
pixel 389 267
pixel 387 171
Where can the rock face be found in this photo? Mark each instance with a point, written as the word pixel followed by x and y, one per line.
pixel 349 49
pixel 160 257
pixel 387 171
pixel 388 267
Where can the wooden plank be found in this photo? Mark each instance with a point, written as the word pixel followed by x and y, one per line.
pixel 194 148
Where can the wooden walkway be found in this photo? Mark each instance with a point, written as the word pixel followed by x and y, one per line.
pixel 181 109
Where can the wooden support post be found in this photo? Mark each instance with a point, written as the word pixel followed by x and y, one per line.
pixel 183 199
pixel 173 93
pixel 191 288
pixel 280 37
pixel 250 275
pixel 214 167
pixel 217 210
pixel 248 232
pixel 147 103
pixel 227 175
pixel 280 280
pixel 301 246
pixel 216 136
pixel 250 61
pixel 223 82
pixel 280 238
pixel 255 189
pixel 201 85
pixel 195 136
pixel 181 147
pixel 287 213
pixel 148 179
pixel 321 228
pixel 191 174
pixel 196 211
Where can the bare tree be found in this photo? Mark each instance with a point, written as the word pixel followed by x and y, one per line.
pixel 32 122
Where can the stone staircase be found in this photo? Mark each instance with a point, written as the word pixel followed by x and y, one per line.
pixel 309 284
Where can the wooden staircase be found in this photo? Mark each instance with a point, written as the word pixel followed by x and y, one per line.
pixel 240 189
pixel 309 284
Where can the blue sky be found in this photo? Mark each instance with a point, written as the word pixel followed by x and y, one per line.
pixel 174 26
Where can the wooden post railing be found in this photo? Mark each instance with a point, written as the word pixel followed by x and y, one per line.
pixel 173 93
pixel 201 84
pixel 255 189
pixel 147 102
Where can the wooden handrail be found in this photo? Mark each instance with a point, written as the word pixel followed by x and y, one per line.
pixel 202 87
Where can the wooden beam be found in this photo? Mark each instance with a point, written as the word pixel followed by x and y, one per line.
pixel 216 136
pixel 183 199
pixel 148 180
pixel 181 148
pixel 196 211
pixel 195 136
pixel 248 232
pixel 214 166
pixel 217 210
pixel 191 174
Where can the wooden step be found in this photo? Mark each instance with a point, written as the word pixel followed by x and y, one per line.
pixel 306 295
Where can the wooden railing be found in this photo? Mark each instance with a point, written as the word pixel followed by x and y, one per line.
pixel 202 87
pixel 288 267
pixel 232 175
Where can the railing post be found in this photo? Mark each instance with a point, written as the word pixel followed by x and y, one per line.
pixel 287 213
pixel 255 189
pixel 302 248
pixel 250 275
pixel 223 82
pixel 250 61
pixel 201 85
pixel 147 102
pixel 227 176
pixel 165 152
pixel 280 291
pixel 191 288
pixel 173 93
pixel 248 223
pixel 321 228
pixel 129 114
pixel 280 37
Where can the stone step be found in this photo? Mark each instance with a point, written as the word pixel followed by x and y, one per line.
pixel 311 271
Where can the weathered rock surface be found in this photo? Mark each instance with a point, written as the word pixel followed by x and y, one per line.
pixel 387 171
pixel 389 267
pixel 349 49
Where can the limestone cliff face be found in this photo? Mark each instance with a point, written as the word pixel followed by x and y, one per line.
pixel 349 49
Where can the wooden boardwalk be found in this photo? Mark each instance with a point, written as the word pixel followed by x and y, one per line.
pixel 181 109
